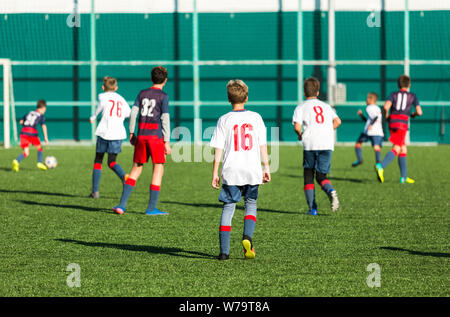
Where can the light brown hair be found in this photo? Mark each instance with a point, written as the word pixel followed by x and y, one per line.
pixel 404 81
pixel 237 91
pixel 311 87
pixel 373 95
pixel 110 83
pixel 41 104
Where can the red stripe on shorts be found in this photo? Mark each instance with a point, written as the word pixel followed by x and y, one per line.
pixel 148 126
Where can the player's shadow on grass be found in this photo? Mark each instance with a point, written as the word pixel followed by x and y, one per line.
pixel 85 208
pixel 219 206
pixel 433 254
pixel 35 192
pixel 143 248
pixel 343 179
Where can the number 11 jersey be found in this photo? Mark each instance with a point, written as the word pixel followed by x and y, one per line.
pixel 240 134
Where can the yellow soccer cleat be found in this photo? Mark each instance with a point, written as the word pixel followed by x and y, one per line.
pixel 15 166
pixel 125 178
pixel 249 251
pixel 380 172
pixel 406 180
pixel 41 166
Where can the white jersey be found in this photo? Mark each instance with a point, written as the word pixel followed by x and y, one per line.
pixel 240 134
pixel 373 111
pixel 316 118
pixel 114 110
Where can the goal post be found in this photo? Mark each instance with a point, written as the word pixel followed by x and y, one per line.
pixel 6 65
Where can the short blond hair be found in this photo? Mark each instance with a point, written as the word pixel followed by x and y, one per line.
pixel 110 83
pixel 237 91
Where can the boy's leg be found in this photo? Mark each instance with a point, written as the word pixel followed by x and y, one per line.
pixel 96 175
pixel 358 152
pixel 323 168
pixel 23 155
pixel 308 176
pixel 115 166
pixel 40 153
pixel 403 167
pixel 158 172
pixel 229 195
pixel 128 187
pixel 250 197
pixel 377 150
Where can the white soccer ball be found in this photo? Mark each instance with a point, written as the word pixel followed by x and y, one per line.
pixel 51 162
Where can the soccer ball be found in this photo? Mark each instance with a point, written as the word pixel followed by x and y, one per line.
pixel 51 162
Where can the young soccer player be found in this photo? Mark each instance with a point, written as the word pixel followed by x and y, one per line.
pixel 318 121
pixel 400 104
pixel 240 135
pixel 373 130
pixel 110 131
pixel 152 139
pixel 29 135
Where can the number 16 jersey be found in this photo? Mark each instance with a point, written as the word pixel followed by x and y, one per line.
pixel 240 134
pixel 152 103
pixel 316 118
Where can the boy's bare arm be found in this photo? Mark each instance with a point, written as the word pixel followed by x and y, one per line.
pixel 215 183
pixel 418 112
pixel 21 122
pixel 265 161
pixel 387 106
pixel 336 123
pixel 44 130
pixel 298 130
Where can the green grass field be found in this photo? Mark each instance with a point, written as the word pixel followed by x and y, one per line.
pixel 46 223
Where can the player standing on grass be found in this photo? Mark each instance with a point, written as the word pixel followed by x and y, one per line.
pixel 152 139
pixel 110 131
pixel 29 135
pixel 240 135
pixel 400 103
pixel 318 121
pixel 373 130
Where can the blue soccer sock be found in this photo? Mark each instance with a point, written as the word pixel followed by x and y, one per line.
pixel 96 175
pixel 326 186
pixel 118 170
pixel 127 190
pixel 225 227
pixel 250 217
pixel 21 157
pixel 402 165
pixel 378 156
pixel 358 151
pixel 390 156
pixel 310 197
pixel 40 154
pixel 154 195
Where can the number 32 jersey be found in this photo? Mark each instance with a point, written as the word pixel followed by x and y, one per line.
pixel 240 134
pixel 152 103
pixel 316 118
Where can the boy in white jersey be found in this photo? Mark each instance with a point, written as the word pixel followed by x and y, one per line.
pixel 373 130
pixel 318 121
pixel 110 131
pixel 241 136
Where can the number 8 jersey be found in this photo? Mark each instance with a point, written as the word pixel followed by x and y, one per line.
pixel 316 118
pixel 240 133
pixel 152 103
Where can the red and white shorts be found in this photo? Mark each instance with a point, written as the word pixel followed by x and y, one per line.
pixel 398 136
pixel 26 140
pixel 146 147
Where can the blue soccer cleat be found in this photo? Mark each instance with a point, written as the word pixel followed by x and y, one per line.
pixel 119 210
pixel 312 212
pixel 356 163
pixel 156 212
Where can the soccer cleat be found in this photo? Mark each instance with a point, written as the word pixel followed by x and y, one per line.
pixel 356 163
pixel 41 166
pixel 312 212
pixel 406 180
pixel 94 195
pixel 249 250
pixel 15 166
pixel 334 201
pixel 156 212
pixel 380 171
pixel 223 256
pixel 118 210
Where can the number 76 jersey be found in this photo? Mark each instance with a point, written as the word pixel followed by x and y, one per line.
pixel 240 134
pixel 316 118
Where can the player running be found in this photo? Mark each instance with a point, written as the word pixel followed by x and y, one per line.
pixel 318 121
pixel 29 135
pixel 373 130
pixel 240 135
pixel 152 139
pixel 400 103
pixel 110 131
